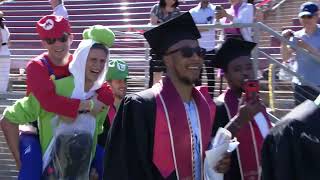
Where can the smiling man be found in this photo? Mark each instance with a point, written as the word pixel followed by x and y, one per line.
pixel 56 37
pixel 308 38
pixel 162 133
pixel 234 58
pixel 117 78
pixel 88 70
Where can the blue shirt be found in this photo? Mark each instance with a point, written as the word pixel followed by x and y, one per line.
pixel 307 67
pixel 192 115
pixel 205 16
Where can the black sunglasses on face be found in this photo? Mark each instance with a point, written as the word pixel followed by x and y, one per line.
pixel 307 17
pixel 188 52
pixel 63 39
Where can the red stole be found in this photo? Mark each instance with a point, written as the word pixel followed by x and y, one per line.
pixel 111 113
pixel 172 149
pixel 250 138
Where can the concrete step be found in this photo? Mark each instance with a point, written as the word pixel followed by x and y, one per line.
pixel 4 149
pixel 11 95
pixel 10 174
pixel 15 177
pixel 7 161
pixel 8 167
pixel 6 156
pixel 284 103
pixel 279 113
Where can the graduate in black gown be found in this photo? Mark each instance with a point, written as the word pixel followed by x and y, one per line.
pixel 163 132
pixel 291 151
pixel 234 58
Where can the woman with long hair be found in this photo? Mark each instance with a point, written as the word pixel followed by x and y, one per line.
pixel 164 11
pixel 161 12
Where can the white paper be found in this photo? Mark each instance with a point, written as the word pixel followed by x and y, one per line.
pixel 262 124
pixel 221 144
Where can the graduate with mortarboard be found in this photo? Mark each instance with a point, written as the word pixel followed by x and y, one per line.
pixel 163 132
pixel 292 148
pixel 234 59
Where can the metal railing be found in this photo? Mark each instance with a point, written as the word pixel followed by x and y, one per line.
pixel 270 5
pixel 256 54
pixel 139 62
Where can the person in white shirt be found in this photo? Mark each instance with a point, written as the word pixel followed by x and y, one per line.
pixel 239 12
pixel 59 9
pixel 204 13
pixel 4 55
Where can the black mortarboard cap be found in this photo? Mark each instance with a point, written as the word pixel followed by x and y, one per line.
pixel 162 37
pixel 230 50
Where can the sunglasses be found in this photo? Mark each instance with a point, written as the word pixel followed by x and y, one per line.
pixel 63 39
pixel 188 52
pixel 307 17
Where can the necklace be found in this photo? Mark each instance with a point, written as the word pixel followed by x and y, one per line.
pixel 193 140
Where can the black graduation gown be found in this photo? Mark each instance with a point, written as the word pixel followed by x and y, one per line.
pixel 102 138
pixel 291 151
pixel 221 120
pixel 130 140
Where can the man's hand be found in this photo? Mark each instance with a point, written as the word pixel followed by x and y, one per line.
pixel 245 114
pixel 287 33
pixel 11 133
pixel 18 164
pixel 248 110
pixel 303 44
pixel 154 20
pixel 97 106
pixel 221 13
pixel 94 174
pixel 224 164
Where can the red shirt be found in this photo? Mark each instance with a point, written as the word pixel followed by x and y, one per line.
pixel 42 87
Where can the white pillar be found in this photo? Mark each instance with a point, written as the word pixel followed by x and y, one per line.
pixel 4 72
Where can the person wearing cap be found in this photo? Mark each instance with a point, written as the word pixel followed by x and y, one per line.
pixel 117 76
pixel 162 132
pixel 308 38
pixel 291 149
pixel 56 37
pixel 59 9
pixel 161 12
pixel 5 53
pixel 88 71
pixel 234 59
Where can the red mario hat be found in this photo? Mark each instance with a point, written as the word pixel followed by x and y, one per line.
pixel 52 26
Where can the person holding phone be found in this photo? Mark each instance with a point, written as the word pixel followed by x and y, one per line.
pixel 239 12
pixel 162 132
pixel 308 38
pixel 204 13
pixel 234 58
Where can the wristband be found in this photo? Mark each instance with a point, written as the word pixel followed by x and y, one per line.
pixel 91 104
pixel 83 111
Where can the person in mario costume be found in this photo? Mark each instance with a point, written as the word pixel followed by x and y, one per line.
pixel 56 37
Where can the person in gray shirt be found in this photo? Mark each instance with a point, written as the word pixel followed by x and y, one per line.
pixel 309 39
